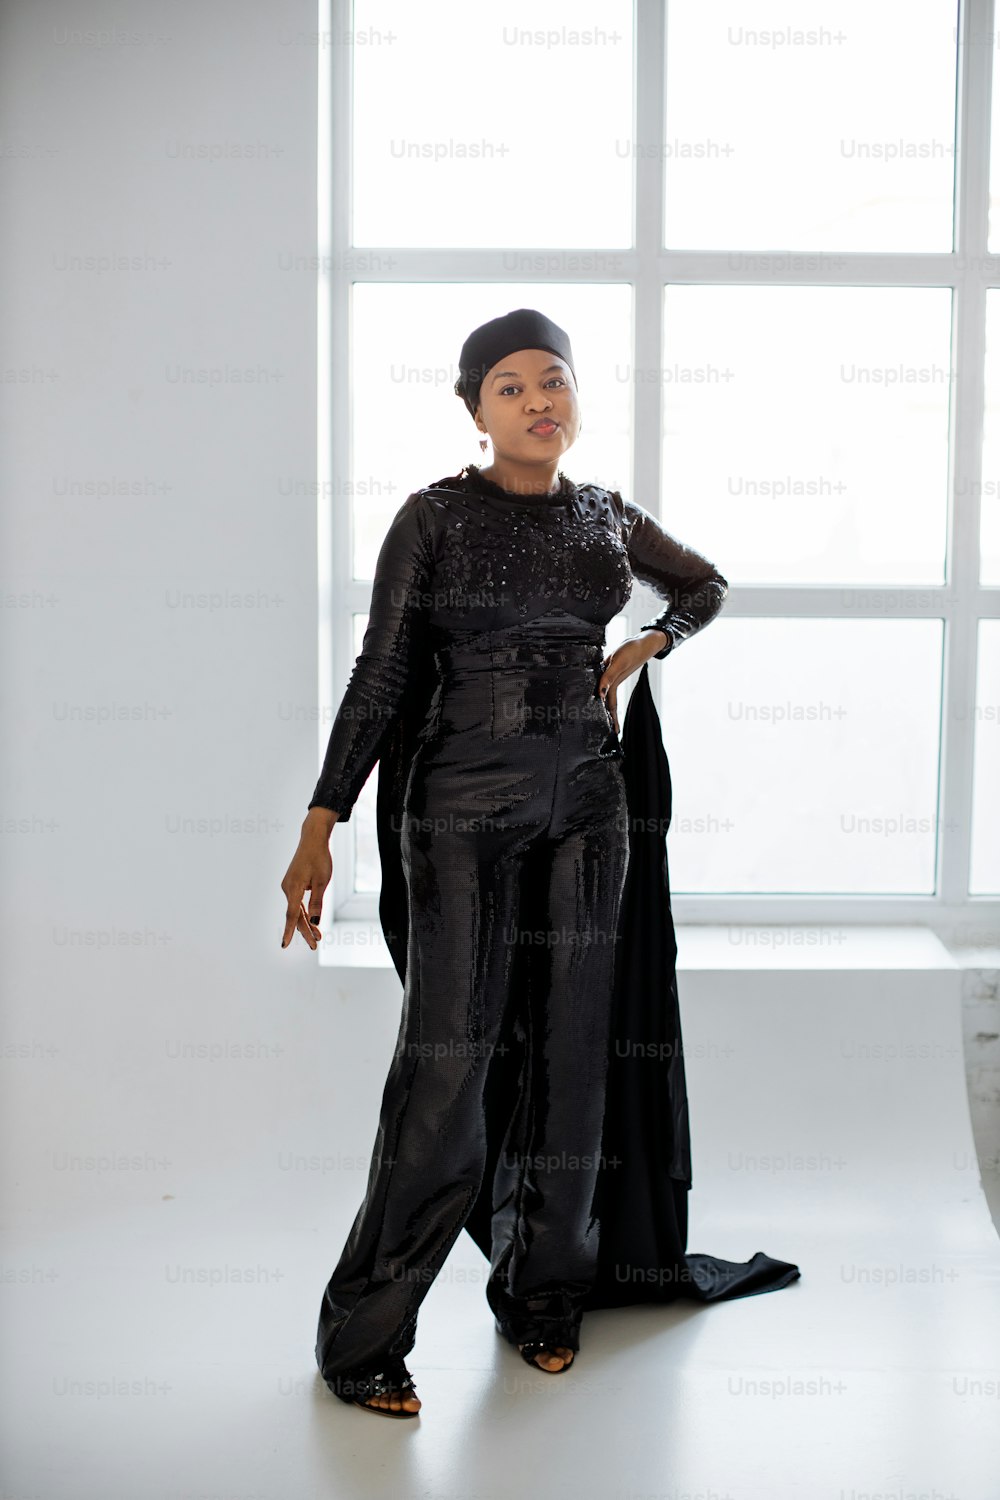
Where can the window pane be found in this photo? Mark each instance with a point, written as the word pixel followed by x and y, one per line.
pixel 804 756
pixel 408 426
pixel 989 526
pixel 483 126
pixel 803 125
pixel 984 876
pixel 805 430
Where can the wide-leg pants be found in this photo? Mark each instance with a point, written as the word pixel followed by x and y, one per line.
pixel 515 839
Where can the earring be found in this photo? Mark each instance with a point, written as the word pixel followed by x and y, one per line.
pixel 482 444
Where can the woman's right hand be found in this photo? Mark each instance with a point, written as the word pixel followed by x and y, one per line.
pixel 310 870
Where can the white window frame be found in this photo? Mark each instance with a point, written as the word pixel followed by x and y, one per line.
pixel 961 600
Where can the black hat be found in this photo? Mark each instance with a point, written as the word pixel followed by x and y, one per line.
pixel 524 328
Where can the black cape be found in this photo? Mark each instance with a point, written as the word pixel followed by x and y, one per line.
pixel 645 1174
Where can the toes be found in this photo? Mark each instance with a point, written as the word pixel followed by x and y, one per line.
pixel 551 1361
pixel 554 1359
pixel 394 1401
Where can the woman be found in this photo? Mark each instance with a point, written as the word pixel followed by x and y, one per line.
pixel 504 877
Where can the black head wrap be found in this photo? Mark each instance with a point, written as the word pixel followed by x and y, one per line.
pixel 521 329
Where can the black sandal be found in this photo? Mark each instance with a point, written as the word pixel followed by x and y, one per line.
pixel 528 1351
pixel 548 1324
pixel 357 1386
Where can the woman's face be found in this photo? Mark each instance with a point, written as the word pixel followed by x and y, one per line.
pixel 525 389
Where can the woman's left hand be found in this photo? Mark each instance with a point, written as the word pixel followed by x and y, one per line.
pixel 623 661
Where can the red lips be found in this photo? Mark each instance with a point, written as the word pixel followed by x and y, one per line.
pixel 543 422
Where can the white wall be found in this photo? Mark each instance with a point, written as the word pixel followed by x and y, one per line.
pixel 153 782
pixel 138 726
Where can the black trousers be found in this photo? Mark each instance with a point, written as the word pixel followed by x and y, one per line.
pixel 515 791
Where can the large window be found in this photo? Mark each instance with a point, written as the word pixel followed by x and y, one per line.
pixel 768 232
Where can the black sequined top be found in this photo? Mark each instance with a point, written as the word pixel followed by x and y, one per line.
pixel 463 557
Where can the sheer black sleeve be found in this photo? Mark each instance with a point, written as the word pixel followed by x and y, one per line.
pixel 378 681
pixel 692 587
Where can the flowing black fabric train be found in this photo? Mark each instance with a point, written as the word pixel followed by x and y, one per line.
pixel 508 806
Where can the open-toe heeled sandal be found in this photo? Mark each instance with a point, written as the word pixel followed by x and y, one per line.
pixel 532 1347
pixel 356 1387
pixel 546 1325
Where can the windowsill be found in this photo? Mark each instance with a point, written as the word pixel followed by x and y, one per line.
pixel 360 944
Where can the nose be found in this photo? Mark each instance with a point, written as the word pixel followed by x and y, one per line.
pixel 539 403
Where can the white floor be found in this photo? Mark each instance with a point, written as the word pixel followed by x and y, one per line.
pixel 159 1324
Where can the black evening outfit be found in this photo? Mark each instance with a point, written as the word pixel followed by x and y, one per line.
pixel 536 1095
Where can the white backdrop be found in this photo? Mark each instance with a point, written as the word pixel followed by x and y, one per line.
pixel 153 784
pixel 169 1073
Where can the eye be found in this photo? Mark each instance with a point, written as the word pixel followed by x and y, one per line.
pixel 555 379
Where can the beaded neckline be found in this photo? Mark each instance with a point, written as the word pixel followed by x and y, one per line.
pixel 563 496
